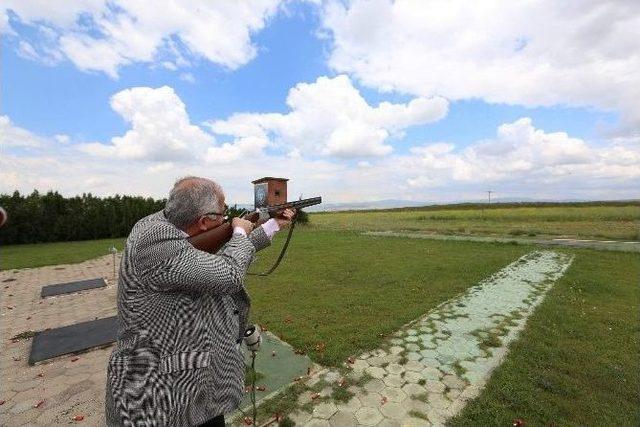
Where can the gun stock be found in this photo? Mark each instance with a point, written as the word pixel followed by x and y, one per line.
pixel 212 240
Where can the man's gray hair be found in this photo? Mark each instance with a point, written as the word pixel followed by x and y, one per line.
pixel 190 198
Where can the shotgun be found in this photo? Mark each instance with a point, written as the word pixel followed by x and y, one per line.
pixel 212 240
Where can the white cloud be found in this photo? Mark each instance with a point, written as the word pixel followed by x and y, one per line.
pixel 541 53
pixel 519 161
pixel 115 33
pixel 524 155
pixel 240 149
pixel 160 128
pixel 14 136
pixel 330 117
pixel 161 131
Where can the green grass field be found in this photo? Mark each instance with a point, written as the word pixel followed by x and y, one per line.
pixel 592 222
pixel 38 255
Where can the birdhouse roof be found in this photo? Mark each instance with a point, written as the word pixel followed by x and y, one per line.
pixel 269 178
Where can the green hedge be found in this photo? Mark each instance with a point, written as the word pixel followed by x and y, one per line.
pixel 50 217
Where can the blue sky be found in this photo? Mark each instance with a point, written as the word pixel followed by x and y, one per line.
pixel 555 131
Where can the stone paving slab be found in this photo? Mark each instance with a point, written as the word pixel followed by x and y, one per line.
pixel 445 357
pixel 71 287
pixel 76 338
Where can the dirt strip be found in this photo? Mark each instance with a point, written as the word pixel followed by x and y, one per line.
pixel 604 245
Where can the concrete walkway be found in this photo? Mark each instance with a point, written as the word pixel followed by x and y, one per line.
pixel 427 372
pixel 604 245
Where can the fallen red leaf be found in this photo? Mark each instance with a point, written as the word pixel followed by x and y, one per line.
pixel 38 403
pixel 40 375
pixel 75 359
pixel 78 418
pixel 2 402
pixel 384 400
pixel 315 395
pixel 28 317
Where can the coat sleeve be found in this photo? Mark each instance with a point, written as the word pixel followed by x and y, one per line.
pixel 172 264
pixel 259 238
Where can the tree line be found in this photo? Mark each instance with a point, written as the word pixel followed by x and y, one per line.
pixel 50 217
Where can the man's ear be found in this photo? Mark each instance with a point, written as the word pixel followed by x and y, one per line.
pixel 202 223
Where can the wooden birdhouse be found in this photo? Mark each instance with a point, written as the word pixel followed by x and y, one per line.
pixel 269 191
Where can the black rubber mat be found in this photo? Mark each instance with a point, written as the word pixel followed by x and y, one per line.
pixel 72 339
pixel 67 288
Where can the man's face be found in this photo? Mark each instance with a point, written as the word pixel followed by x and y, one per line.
pixel 212 220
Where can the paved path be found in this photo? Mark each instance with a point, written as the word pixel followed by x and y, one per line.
pixel 605 245
pixel 55 391
pixel 427 372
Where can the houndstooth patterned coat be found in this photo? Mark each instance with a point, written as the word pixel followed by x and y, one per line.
pixel 181 314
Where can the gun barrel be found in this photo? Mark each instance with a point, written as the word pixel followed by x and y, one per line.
pixel 297 204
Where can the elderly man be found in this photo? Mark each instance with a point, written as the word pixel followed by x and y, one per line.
pixel 182 314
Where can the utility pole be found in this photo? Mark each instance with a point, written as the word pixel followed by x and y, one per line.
pixel 489 193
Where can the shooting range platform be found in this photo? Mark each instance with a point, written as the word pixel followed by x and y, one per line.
pixel 72 339
pixel 71 287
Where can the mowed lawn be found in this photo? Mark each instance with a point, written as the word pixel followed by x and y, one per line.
pixel 41 254
pixel 577 363
pixel 582 222
pixel 338 294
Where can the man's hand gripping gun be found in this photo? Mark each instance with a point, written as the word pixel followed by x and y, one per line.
pixel 211 241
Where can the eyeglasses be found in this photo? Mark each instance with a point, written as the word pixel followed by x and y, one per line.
pixel 224 214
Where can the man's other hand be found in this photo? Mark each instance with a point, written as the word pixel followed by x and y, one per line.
pixel 285 217
pixel 247 226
